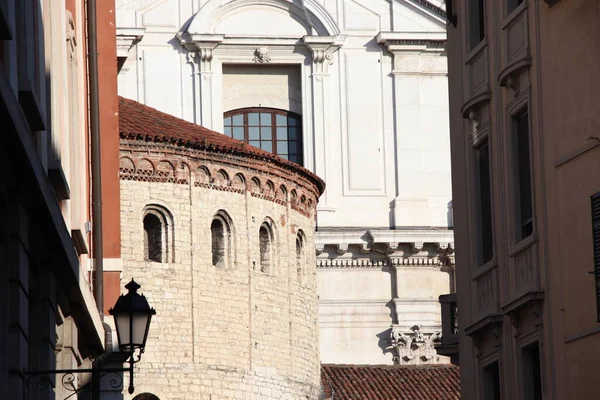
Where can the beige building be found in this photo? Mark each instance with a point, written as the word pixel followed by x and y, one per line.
pixel 525 136
pixel 221 236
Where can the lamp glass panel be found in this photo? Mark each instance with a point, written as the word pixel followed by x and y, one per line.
pixel 122 325
pixel 140 320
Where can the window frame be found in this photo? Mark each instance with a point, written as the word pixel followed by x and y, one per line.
pixel 228 239
pixel 479 20
pixel 484 224
pixel 274 140
pixel 165 218
pixel 523 228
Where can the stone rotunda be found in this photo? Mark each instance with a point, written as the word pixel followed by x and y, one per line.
pixel 220 235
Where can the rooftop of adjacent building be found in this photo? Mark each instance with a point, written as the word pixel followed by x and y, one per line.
pixel 139 122
pixel 390 382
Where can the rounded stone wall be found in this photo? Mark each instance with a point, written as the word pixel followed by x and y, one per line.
pixel 222 243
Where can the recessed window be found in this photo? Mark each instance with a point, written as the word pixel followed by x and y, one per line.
pixel 476 20
pixel 491 381
pixel 221 242
pixel 486 234
pixel 266 239
pixel 276 131
pixel 524 207
pixel 158 234
pixel 300 256
pixel 532 372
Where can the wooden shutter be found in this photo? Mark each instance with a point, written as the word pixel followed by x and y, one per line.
pixel 596 245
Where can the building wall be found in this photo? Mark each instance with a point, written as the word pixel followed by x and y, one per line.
pixel 370 84
pixel 524 295
pixel 223 332
pixel 48 318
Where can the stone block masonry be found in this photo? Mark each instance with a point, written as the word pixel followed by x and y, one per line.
pixel 231 331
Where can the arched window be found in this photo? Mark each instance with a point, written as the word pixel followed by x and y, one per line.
pixel 270 129
pixel 158 234
pixel 220 230
pixel 265 236
pixel 300 255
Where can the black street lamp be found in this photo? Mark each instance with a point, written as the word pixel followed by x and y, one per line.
pixel 132 315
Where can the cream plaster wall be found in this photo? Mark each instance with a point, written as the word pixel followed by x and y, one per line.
pixel 274 86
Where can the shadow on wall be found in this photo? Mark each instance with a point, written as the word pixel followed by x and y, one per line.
pixel 384 342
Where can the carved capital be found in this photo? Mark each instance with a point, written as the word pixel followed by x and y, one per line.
pixel 414 346
pixel 322 48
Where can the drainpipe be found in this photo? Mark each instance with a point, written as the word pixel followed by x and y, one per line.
pixel 96 158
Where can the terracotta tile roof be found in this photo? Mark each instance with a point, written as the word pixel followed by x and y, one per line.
pixel 137 121
pixel 391 382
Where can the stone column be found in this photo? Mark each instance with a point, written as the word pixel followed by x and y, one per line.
pixel 323 49
pixel 409 64
pixel 201 56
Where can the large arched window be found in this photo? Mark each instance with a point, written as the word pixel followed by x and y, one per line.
pixel 277 131
pixel 158 234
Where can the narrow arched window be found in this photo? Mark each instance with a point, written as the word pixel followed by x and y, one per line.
pixel 270 129
pixel 217 231
pixel 300 256
pixel 153 238
pixel 158 234
pixel 221 231
pixel 266 247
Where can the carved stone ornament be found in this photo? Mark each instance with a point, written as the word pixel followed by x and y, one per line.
pixel 261 55
pixel 415 347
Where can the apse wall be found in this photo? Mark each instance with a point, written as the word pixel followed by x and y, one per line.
pixel 223 251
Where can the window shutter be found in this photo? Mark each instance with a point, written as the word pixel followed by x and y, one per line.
pixel 596 240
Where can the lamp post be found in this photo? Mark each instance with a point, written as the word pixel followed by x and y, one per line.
pixel 132 315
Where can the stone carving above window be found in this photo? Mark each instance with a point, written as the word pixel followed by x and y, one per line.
pixel 414 347
pixel 261 55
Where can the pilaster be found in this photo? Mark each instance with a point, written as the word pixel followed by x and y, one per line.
pixel 323 49
pixel 201 54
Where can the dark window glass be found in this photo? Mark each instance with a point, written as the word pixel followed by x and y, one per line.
pixel 265 248
pixel 525 202
pixel 218 243
pixel 476 22
pixel 485 204
pixel 275 131
pixel 532 372
pixel 512 4
pixel 491 382
pixel 153 238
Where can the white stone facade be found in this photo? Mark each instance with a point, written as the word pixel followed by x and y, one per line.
pixel 227 331
pixel 368 79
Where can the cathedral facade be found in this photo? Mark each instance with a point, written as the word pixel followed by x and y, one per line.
pixel 353 91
